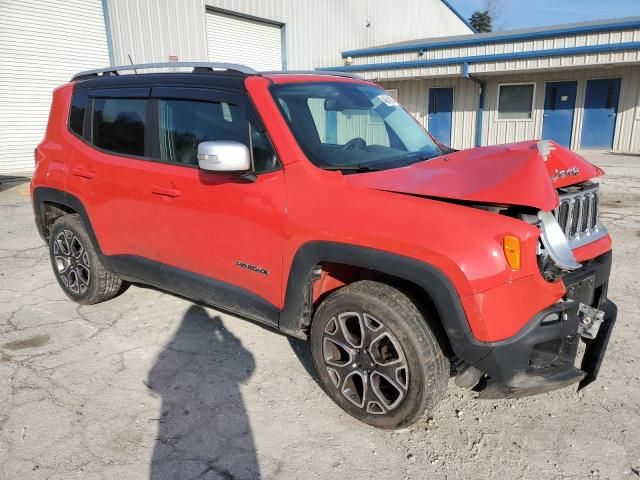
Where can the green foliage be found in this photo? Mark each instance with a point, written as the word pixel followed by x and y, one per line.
pixel 481 21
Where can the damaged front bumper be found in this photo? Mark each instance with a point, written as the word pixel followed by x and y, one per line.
pixel 542 356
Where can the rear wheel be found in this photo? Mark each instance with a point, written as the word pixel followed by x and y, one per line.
pixel 376 356
pixel 77 266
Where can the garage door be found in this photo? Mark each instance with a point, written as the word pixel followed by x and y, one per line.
pixel 42 44
pixel 241 40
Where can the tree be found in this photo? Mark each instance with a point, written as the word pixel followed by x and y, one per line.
pixel 481 21
pixel 495 9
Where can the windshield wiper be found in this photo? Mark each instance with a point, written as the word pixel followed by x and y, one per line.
pixel 418 159
pixel 351 168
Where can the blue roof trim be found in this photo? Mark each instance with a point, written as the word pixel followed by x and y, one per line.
pixel 617 47
pixel 481 40
pixel 459 15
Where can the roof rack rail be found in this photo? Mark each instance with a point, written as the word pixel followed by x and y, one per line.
pixel 197 66
pixel 315 72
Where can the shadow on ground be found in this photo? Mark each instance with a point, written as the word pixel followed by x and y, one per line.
pixel 7 182
pixel 204 430
pixel 302 350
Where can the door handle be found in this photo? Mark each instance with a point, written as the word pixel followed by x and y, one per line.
pixel 83 172
pixel 165 191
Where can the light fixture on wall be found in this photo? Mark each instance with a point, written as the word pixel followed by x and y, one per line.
pixel 348 60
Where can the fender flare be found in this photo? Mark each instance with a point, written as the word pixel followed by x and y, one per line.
pixel 47 194
pixel 431 279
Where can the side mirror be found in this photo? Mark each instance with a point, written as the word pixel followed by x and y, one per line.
pixel 224 156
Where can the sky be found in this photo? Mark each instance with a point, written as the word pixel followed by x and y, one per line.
pixel 532 13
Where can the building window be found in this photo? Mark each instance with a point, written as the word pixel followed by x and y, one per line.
pixel 515 101
pixel 393 93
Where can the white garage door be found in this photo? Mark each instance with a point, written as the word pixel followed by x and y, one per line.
pixel 241 40
pixel 42 44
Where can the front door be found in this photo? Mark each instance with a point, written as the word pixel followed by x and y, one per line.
pixel 440 113
pixel 559 106
pixel 219 225
pixel 600 110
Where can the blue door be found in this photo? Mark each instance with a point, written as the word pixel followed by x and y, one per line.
pixel 600 109
pixel 440 108
pixel 559 104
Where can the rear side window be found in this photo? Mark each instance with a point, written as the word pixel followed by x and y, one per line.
pixel 76 114
pixel 119 125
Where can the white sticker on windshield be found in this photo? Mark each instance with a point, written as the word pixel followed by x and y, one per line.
pixel 387 100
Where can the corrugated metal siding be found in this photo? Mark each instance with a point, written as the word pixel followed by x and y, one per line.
pixel 414 96
pixel 43 44
pixel 563 61
pixel 239 40
pixel 318 31
pixel 634 133
pixel 625 139
pixel 153 30
pixel 569 41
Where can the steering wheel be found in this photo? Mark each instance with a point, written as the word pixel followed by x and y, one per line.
pixel 355 144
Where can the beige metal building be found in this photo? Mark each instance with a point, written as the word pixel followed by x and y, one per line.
pixel 578 84
pixel 44 43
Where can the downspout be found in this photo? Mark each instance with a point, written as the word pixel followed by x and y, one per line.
pixel 480 112
pixel 107 29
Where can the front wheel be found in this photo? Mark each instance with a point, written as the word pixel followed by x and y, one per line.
pixel 376 356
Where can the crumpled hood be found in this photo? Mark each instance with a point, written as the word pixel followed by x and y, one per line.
pixel 525 173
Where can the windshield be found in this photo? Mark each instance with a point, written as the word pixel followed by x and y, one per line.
pixel 352 127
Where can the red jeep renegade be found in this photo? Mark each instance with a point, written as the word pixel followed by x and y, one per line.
pixel 315 204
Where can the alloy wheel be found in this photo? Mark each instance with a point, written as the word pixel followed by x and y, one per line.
pixel 365 362
pixel 72 262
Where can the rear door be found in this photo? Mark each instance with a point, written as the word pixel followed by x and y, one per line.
pixel 113 171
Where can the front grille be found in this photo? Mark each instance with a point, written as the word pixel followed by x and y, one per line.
pixel 578 213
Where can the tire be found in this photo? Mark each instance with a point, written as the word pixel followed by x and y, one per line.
pixel 376 356
pixel 77 266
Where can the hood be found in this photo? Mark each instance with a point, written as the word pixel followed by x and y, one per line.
pixel 525 173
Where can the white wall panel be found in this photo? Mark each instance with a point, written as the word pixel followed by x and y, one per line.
pixel 240 40
pixel 318 31
pixel 153 30
pixel 42 45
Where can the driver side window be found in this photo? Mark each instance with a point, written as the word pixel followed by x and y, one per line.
pixel 339 127
pixel 184 124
